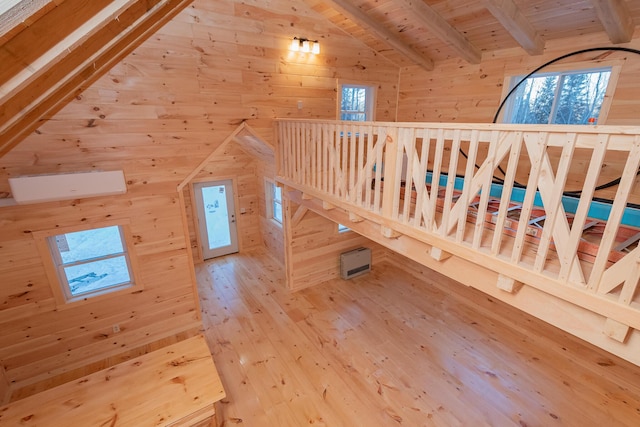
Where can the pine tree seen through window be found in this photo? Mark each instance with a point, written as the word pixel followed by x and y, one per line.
pixel 571 97
pixel 356 103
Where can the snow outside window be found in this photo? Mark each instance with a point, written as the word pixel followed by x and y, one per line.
pixel 91 262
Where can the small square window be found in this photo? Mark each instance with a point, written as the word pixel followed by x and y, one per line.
pixel 91 262
pixel 356 102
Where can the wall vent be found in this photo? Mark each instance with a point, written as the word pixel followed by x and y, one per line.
pixel 355 262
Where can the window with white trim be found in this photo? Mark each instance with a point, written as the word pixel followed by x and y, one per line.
pixel 91 262
pixel 566 97
pixel 356 102
pixel 273 198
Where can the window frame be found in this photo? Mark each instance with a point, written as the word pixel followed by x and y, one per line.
pixel 343 228
pixel 271 200
pixel 370 100
pixel 54 268
pixel 615 65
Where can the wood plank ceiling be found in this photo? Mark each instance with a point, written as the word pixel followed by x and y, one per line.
pixel 50 49
pixel 424 32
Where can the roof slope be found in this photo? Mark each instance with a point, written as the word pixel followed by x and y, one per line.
pixel 68 45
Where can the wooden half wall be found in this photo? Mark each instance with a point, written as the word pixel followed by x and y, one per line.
pixel 313 243
pixel 419 259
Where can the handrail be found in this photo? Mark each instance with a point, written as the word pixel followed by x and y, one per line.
pixel 411 175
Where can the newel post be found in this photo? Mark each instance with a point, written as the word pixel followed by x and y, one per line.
pixel 390 193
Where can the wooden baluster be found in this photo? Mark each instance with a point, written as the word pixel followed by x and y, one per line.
pixel 369 181
pixel 615 216
pixel 492 160
pixel 333 158
pixel 343 175
pixel 361 157
pixel 435 178
pixel 451 180
pixel 306 158
pixel 507 188
pixel 422 198
pixel 279 144
pixel 468 175
pixel 530 193
pixel 377 194
pixel 391 191
pixel 313 159
pixel 553 203
pixel 289 148
pixel 294 151
pixel 409 143
pixel 351 187
pixel 325 158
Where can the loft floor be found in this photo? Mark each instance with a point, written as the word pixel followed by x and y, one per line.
pixel 385 349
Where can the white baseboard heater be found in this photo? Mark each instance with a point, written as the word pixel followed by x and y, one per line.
pixel 355 262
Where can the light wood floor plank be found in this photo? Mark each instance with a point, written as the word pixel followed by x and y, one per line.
pixel 387 349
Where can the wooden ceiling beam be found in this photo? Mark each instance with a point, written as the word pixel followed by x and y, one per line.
pixel 615 18
pixel 79 56
pixel 440 27
pixel 510 17
pixel 388 36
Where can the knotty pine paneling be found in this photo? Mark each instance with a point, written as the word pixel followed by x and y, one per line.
pixel 459 92
pixel 4 387
pixel 156 115
pixel 315 246
pixel 271 231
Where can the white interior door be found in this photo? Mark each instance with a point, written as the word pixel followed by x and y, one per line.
pixel 216 218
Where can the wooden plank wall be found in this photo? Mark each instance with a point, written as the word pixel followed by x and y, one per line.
pixel 270 230
pixel 156 116
pixel 314 246
pixel 460 92
pixel 4 387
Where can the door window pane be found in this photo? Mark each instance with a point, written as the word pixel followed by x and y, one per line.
pixel 216 216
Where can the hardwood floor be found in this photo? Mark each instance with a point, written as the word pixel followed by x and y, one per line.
pixel 386 349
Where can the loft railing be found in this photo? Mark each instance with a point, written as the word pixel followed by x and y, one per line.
pixel 515 199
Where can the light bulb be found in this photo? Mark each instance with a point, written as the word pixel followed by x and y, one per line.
pixel 316 48
pixel 295 45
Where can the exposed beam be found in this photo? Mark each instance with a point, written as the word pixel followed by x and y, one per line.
pixel 510 17
pixel 17 15
pixel 391 38
pixel 441 28
pixel 615 18
pixel 76 55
